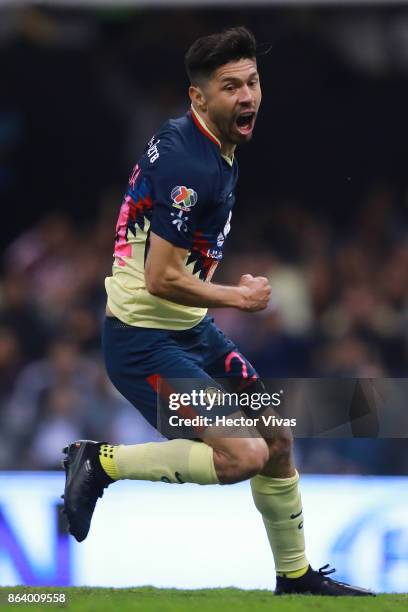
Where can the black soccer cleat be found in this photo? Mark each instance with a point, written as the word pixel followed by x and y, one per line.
pixel 85 481
pixel 317 583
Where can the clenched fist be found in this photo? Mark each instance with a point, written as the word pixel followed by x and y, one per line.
pixel 255 292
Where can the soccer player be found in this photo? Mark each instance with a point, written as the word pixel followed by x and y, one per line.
pixel 170 234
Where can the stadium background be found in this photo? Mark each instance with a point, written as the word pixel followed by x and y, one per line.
pixel 322 211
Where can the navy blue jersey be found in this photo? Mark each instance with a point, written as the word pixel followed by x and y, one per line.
pixel 182 189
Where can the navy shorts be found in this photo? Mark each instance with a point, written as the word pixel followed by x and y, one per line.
pixel 138 359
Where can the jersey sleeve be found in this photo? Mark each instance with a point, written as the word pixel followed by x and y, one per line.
pixel 180 192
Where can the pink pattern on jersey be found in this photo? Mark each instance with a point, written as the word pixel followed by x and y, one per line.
pixel 246 382
pixel 122 247
pixel 203 264
pixel 131 212
pixel 236 355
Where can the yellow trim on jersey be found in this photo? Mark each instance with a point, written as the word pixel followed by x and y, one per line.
pixel 129 300
pixel 229 160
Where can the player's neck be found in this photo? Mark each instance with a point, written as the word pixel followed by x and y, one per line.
pixel 227 148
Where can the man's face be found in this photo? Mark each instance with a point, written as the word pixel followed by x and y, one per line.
pixel 233 96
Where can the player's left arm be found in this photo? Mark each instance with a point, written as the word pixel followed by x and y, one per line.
pixel 181 192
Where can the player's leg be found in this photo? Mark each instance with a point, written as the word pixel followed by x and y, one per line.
pixel 168 362
pixel 206 461
pixel 130 354
pixel 145 364
pixel 276 494
pixel 275 488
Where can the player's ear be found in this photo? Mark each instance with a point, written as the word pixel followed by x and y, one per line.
pixel 198 98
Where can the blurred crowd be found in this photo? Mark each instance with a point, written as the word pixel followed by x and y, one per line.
pixel 53 385
pixel 321 209
pixel 339 309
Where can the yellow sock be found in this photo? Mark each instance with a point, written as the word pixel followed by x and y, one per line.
pixel 279 502
pixel 175 461
pixel 106 453
pixel 297 574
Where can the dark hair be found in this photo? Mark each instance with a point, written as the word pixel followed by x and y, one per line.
pixel 208 53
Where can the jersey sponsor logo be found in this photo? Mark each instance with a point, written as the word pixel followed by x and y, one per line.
pixel 214 253
pixel 222 235
pixel 152 150
pixel 180 221
pixel 183 197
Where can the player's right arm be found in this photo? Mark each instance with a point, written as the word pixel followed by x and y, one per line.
pixel 167 277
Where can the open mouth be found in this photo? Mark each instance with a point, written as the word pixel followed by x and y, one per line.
pixel 245 122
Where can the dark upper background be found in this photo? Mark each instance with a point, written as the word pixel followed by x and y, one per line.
pixel 74 84
pixel 322 205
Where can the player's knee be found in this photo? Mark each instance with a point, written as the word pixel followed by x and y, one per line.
pixel 241 459
pixel 254 458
